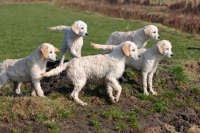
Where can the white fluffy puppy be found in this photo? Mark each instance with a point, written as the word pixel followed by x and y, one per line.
pixel 108 67
pixel 148 62
pixel 139 37
pixel 73 38
pixel 28 69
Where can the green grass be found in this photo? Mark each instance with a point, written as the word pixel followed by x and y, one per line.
pixel 116 114
pixel 23 29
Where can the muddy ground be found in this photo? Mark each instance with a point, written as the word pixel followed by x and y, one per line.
pixel 174 119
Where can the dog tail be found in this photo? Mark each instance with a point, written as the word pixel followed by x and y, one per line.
pixel 56 71
pixel 60 28
pixel 104 47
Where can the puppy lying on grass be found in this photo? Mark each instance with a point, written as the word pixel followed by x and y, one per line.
pixel 28 69
pixel 109 67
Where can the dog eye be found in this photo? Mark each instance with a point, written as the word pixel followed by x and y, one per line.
pixel 167 48
pixel 154 32
pixel 133 50
pixel 82 28
pixel 50 52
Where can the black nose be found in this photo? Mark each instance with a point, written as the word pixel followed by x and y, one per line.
pixel 172 55
pixel 86 34
pixel 158 37
pixel 139 56
pixel 57 58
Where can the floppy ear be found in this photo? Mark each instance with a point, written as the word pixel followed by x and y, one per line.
pixel 75 28
pixel 56 49
pixel 147 30
pixel 44 51
pixel 160 48
pixel 126 49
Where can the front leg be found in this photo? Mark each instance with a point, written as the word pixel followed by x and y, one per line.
pixel 74 53
pixel 37 89
pixel 144 82
pixel 150 78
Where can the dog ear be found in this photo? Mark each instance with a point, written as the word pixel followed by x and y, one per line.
pixel 160 47
pixel 44 51
pixel 126 49
pixel 147 30
pixel 75 28
pixel 56 49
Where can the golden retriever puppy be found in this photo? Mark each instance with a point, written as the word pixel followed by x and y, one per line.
pixel 148 62
pixel 73 38
pixel 108 67
pixel 140 37
pixel 28 69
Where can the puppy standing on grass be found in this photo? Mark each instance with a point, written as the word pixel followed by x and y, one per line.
pixel 148 62
pixel 28 69
pixel 108 67
pixel 73 38
pixel 139 37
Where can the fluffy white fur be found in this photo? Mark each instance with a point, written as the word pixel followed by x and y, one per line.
pixel 148 62
pixel 108 67
pixel 28 69
pixel 73 38
pixel 139 37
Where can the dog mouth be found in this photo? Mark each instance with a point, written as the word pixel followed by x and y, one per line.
pixel 136 58
pixel 84 35
pixel 156 38
pixel 52 60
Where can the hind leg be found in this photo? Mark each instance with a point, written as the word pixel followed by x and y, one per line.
pixel 75 92
pixel 113 83
pixel 63 51
pixel 3 80
pixel 33 92
pixel 16 88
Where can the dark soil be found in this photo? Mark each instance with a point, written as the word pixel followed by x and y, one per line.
pixel 173 119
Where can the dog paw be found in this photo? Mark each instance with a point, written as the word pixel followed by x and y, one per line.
pixel 146 93
pixel 113 99
pixel 33 94
pixel 116 99
pixel 83 104
pixel 154 93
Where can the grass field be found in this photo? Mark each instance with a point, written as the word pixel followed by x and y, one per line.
pixel 22 30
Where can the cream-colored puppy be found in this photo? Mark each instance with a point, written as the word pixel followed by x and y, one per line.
pixel 148 62
pixel 28 69
pixel 108 67
pixel 73 38
pixel 139 37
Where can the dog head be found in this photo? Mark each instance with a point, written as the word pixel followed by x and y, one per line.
pixel 130 50
pixel 165 47
pixel 48 52
pixel 80 28
pixel 152 31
